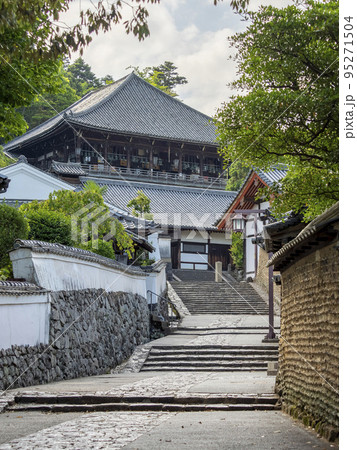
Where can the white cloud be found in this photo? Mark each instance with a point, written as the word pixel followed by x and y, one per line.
pixel 195 41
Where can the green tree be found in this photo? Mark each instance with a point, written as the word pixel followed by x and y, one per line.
pixel 49 226
pixel 90 218
pixel 13 226
pixel 237 174
pixel 140 205
pixel 287 61
pixel 43 107
pixel 163 77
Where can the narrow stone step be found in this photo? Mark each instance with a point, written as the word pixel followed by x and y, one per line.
pixel 212 358
pixel 93 399
pixel 215 347
pixel 143 407
pixel 203 369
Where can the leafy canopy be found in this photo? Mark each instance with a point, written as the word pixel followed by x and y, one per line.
pixel 140 205
pixel 13 226
pixel 91 222
pixel 164 77
pixel 287 62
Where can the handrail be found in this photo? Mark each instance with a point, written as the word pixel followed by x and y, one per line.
pixel 168 301
pixel 194 179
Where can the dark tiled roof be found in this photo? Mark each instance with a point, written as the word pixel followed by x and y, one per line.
pixel 297 246
pixel 171 205
pixel 135 107
pixel 273 175
pixel 67 168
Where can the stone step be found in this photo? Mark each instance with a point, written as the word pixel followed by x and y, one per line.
pixel 63 408
pixel 202 369
pixel 90 399
pixel 212 358
pixel 205 364
pixel 213 353
pixel 215 347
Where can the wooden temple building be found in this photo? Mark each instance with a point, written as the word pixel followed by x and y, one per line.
pixel 128 129
pixel 128 136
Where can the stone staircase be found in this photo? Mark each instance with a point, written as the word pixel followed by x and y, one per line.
pixel 60 403
pixel 212 358
pixel 209 297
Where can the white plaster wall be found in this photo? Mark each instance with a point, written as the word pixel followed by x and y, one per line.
pixel 154 241
pixel 156 282
pixel 165 247
pixel 250 247
pixel 29 183
pixel 24 319
pixel 57 272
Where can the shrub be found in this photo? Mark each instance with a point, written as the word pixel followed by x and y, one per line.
pixel 49 226
pixel 99 247
pixel 13 226
pixel 237 249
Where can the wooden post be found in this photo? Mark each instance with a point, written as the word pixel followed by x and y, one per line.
pixel 271 334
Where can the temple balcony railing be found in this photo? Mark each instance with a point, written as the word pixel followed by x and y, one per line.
pixel 155 176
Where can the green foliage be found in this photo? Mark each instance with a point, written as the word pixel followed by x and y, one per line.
pixel 237 249
pixel 140 204
pixel 163 77
pixel 43 107
pixel 237 174
pixel 49 226
pixel 5 160
pixel 13 226
pixel 99 247
pixel 82 79
pixel 89 217
pixel 75 81
pixel 287 61
pixel 92 186
pixel 6 272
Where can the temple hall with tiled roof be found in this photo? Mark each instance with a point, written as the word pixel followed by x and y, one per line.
pixel 127 129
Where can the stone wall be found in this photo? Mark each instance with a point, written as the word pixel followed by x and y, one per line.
pixel 91 331
pixel 308 360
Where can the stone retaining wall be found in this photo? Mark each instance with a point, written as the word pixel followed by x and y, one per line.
pixel 91 332
pixel 308 359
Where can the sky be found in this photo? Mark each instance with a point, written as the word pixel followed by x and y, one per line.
pixel 193 34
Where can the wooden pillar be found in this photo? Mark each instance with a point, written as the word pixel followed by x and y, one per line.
pixel 180 161
pixel 105 150
pixel 201 165
pixel 151 158
pixel 128 156
pixel 78 148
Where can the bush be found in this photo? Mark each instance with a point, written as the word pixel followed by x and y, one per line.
pixel 13 226
pixel 237 249
pixel 99 247
pixel 49 226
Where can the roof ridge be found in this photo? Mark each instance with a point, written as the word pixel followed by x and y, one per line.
pixel 122 82
pixel 119 83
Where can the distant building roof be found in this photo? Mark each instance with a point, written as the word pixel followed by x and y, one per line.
pixel 319 231
pixel 177 206
pixel 255 180
pixel 61 168
pixel 134 107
